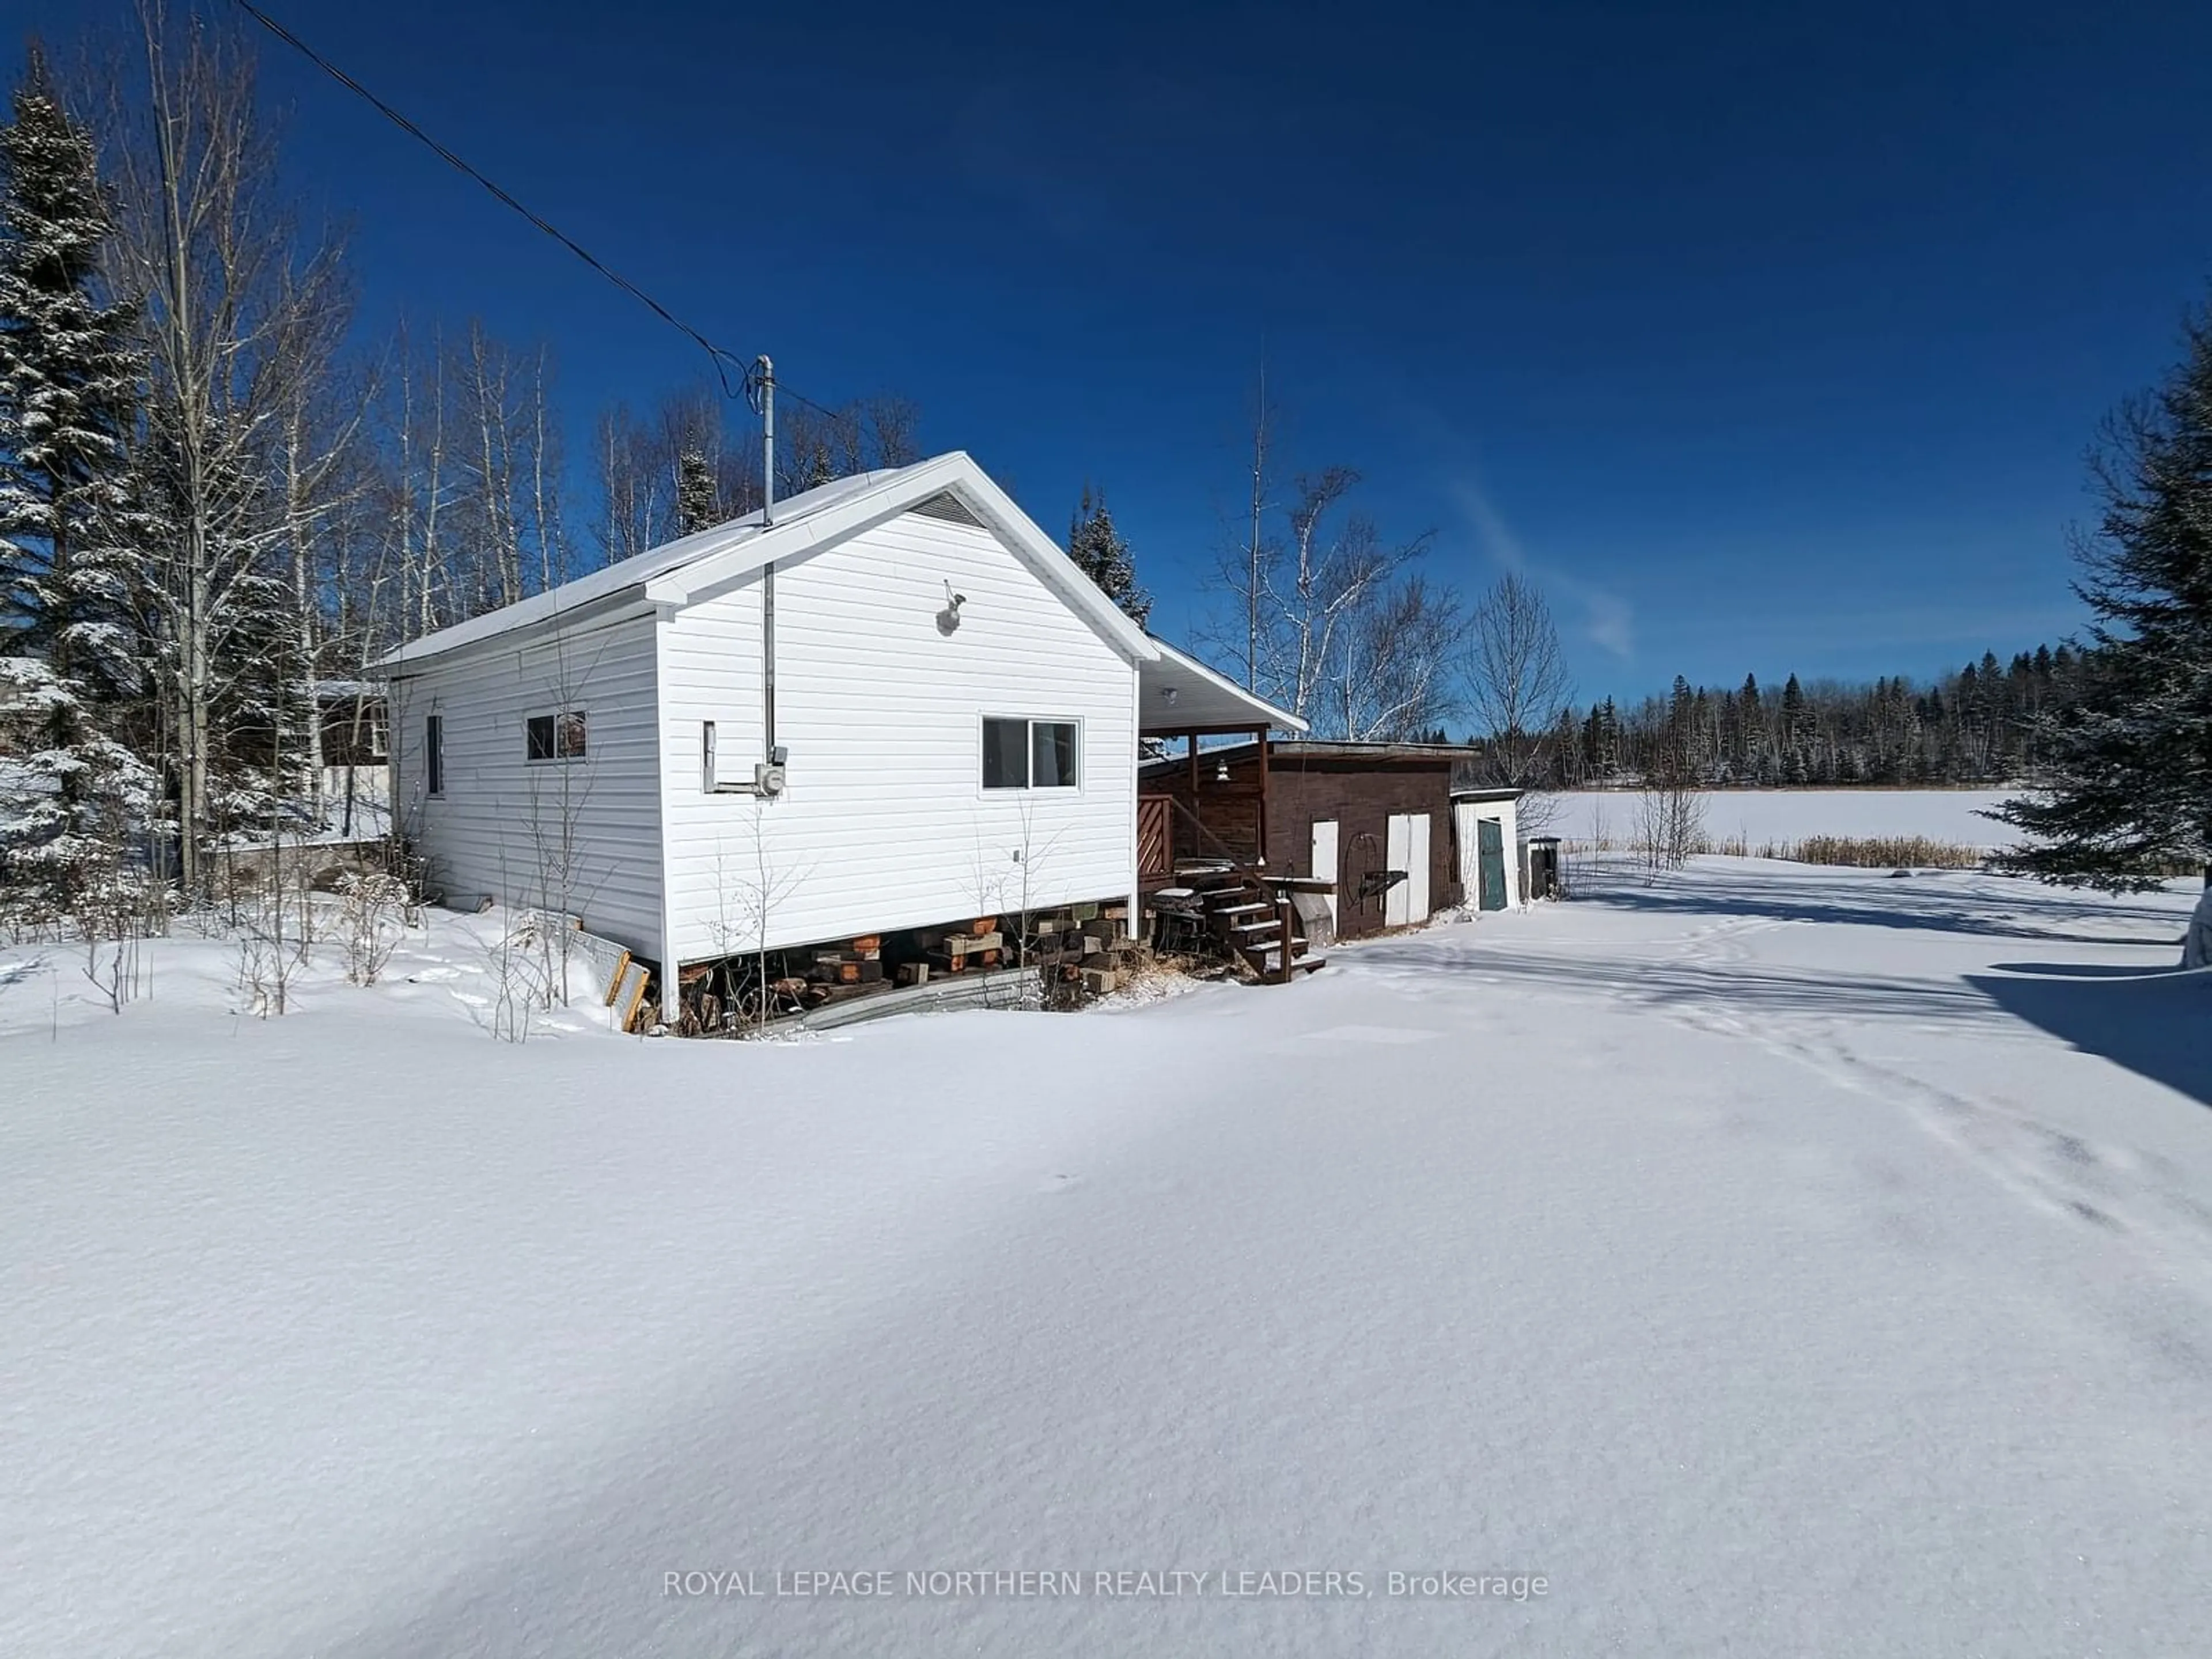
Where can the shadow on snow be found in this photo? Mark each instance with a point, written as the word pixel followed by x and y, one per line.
pixel 2154 1022
pixel 1712 991
pixel 2159 1026
pixel 1927 903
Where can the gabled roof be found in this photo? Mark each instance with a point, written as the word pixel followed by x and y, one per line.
pixel 682 572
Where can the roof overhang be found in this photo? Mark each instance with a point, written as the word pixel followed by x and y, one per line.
pixel 1179 696
pixel 522 634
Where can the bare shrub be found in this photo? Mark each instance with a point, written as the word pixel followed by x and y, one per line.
pixel 1670 825
pixel 265 946
pixel 117 910
pixel 1878 851
pixel 373 910
pixel 520 965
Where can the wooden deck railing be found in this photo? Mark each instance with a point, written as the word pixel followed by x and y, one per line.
pixel 1155 835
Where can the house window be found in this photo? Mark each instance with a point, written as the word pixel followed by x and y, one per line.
pixel 434 753
pixel 557 737
pixel 1030 755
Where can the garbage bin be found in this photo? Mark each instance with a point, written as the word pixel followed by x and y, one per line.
pixel 1543 868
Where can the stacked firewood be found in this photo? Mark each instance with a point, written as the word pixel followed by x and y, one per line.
pixel 1083 951
pixel 977 943
pixel 835 972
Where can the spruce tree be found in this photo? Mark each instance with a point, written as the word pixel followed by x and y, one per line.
pixel 2128 789
pixel 1753 756
pixel 69 381
pixel 1796 764
pixel 696 508
pixel 1101 554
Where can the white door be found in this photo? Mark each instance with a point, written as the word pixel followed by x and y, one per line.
pixel 1324 867
pixel 1397 854
pixel 1417 868
pixel 1465 838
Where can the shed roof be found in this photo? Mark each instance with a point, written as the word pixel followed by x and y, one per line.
pixel 1178 695
pixel 678 572
pixel 1290 751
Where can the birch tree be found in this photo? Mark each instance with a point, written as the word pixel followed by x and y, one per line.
pixel 1331 611
pixel 236 300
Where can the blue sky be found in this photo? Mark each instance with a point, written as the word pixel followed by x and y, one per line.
pixel 1764 341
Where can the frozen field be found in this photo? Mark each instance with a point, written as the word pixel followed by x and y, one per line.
pixel 1776 1261
pixel 1787 815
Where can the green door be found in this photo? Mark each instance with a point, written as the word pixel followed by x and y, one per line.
pixel 1490 843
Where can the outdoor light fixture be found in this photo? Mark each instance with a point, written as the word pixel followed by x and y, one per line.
pixel 948 618
pixel 1169 693
pixel 1221 771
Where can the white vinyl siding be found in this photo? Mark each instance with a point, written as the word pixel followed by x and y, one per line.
pixel 883 823
pixel 506 827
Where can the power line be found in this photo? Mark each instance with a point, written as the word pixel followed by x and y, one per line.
pixel 722 358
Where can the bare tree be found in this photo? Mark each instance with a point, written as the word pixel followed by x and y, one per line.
pixel 1255 546
pixel 1518 690
pixel 505 504
pixel 642 464
pixel 1517 684
pixel 238 323
pixel 324 478
pixel 413 491
pixel 1393 680
pixel 1670 811
pixel 1323 616
pixel 816 447
pixel 630 513
pixel 1323 593
pixel 643 461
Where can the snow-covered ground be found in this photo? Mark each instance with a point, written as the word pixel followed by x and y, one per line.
pixel 1761 815
pixel 1775 1261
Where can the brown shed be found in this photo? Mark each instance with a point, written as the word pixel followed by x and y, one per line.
pixel 1375 816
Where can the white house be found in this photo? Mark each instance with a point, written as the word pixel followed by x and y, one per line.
pixel 895 705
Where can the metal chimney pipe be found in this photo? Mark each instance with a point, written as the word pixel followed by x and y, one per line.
pixel 767 572
pixel 766 372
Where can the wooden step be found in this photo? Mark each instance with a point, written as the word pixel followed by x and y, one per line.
pixel 1270 926
pixel 1219 886
pixel 1263 958
pixel 1239 910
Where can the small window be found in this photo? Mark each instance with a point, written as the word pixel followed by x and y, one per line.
pixel 1030 755
pixel 434 753
pixel 557 737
